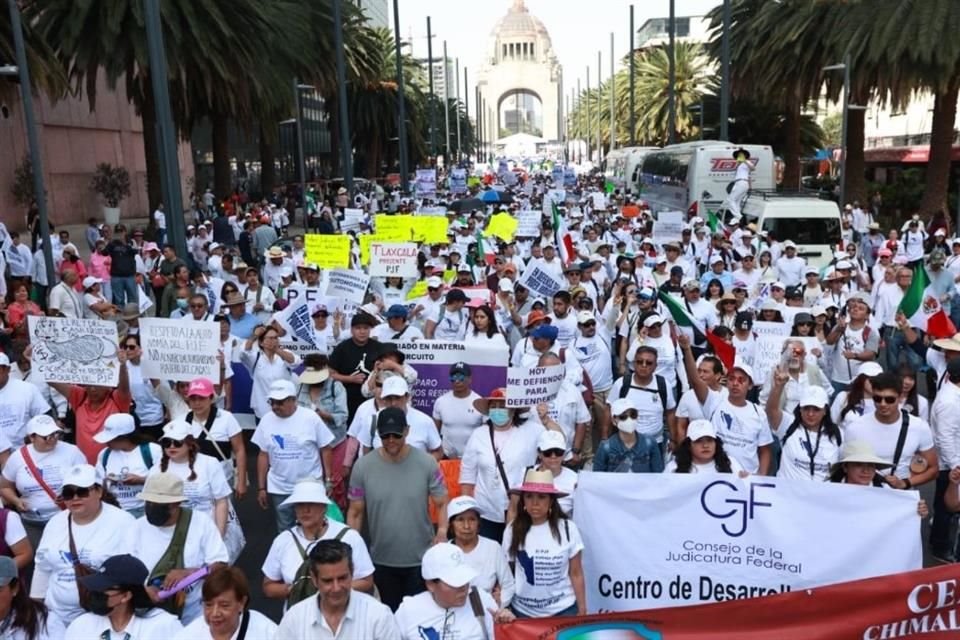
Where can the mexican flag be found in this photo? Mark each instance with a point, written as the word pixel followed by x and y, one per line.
pixel 922 308
pixel 681 317
pixel 713 221
pixel 562 237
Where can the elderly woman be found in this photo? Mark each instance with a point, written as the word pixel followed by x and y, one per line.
pixel 483 554
pixel 267 362
pixel 322 394
pixel 286 569
pixel 226 602
pixel 91 529
pixel 542 536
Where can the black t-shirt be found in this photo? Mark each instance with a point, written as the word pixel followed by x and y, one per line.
pixel 349 358
pixel 123 259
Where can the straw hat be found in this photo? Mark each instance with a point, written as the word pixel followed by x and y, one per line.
pixel 860 451
pixel 311 375
pixel 726 297
pixel 539 482
pixel 483 404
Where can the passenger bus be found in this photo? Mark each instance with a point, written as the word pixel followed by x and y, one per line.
pixel 621 167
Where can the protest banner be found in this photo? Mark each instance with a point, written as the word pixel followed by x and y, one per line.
pixel 394 260
pixel 478 293
pixel 541 282
pixel 503 225
pixel 426 184
pixel 417 291
pixel 569 177
pixel 528 224
pixel 458 181
pixel 432 211
pixel 351 220
pixel 298 325
pixel 180 350
pixel 74 351
pixel 430 229
pixel 678 539
pixel 557 174
pixel 394 228
pixel 773 329
pixel 668 227
pixel 348 285
pixel 919 604
pixel 599 200
pixel 530 386
pixel 327 251
pixel 432 360
pixel 630 211
pixel 768 352
pixel 297 291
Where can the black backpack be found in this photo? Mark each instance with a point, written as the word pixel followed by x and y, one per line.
pixel 302 587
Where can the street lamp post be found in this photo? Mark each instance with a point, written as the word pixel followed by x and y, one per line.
pixel 346 145
pixel 613 90
pixel 846 106
pixel 725 73
pixel 589 123
pixel 401 103
pixel 633 118
pixel 432 95
pixel 672 117
pixel 446 105
pixel 301 159
pixel 458 110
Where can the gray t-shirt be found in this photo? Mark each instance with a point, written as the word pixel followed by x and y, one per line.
pixel 395 495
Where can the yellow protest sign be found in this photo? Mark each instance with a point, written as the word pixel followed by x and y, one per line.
pixel 473 181
pixel 430 229
pixel 394 228
pixel 418 290
pixel 328 252
pixel 502 225
pixel 365 242
pixel 449 275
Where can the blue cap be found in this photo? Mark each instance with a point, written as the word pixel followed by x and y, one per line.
pixel 545 331
pixel 397 311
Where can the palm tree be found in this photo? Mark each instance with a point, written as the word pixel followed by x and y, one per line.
pixel 653 84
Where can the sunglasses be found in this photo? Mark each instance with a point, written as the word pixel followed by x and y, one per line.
pixel 391 436
pixel 49 438
pixel 70 492
pixel 458 377
pixel 170 443
pixel 130 347
pixel 645 363
pixel 590 323
pixel 804 324
pixel 553 453
pixel 626 415
pixel 885 399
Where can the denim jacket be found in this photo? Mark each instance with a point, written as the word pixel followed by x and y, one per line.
pixel 613 456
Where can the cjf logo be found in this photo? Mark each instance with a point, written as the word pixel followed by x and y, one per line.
pixel 721 500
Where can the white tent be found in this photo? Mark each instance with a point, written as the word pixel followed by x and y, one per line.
pixel 519 145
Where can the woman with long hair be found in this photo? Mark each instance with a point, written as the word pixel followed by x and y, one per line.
pixel 20 308
pixel 483 327
pixel 910 399
pixel 768 271
pixel 811 444
pixel 24 618
pixel 126 460
pixel 551 448
pixel 218 433
pixel 701 451
pixel 541 535
pixel 714 291
pixel 483 554
pixel 727 308
pixel 857 400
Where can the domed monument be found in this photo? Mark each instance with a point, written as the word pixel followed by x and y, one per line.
pixel 521 79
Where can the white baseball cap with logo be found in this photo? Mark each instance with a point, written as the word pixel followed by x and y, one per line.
pixel 445 562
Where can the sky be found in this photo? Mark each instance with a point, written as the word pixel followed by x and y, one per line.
pixel 577 29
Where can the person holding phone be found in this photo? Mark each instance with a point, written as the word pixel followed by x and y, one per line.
pixel 855 341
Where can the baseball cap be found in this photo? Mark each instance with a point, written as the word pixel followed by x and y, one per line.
pixel 778 285
pixel 445 562
pixel 461 504
pixel 162 488
pixel 744 367
pixel 545 332
pixel 89 281
pixel 691 285
pixel 584 317
pixel 81 475
pixel 505 285
pixel 394 386
pixel 551 440
pixel 700 429
pixel 811 271
pixel 461 368
pixel 456 295
pixel 621 405
pixel 434 282
pixel 870 369
pixel 397 311
pixel 391 420
pixel 652 320
pixel 789 244
pixel 281 390
pixel 201 387
pixel 362 318
pixel 116 571
pixel 814 396
pixel 42 425
pixel 178 430
pixel 647 293
pixel 115 426
pixel 744 320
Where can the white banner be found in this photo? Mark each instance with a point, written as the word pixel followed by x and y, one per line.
pixel 530 386
pixel 426 184
pixel 599 200
pixel 668 227
pixel 458 181
pixel 75 351
pixel 180 350
pixel 351 220
pixel 541 282
pixel 348 285
pixel 661 540
pixel 394 260
pixel 772 329
pixel 297 321
pixel 528 224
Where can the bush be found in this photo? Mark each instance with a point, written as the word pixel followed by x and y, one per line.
pixel 111 183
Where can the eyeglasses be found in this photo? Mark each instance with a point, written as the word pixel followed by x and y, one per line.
pixel 627 415
pixel 645 363
pixel 70 492
pixel 170 443
pixel 130 347
pixel 885 399
pixel 553 453
pixel 391 436
pixel 589 323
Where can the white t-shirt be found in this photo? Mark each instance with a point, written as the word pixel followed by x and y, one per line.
pixel 488 559
pixel 650 408
pixel 422 434
pixel 458 419
pixel 120 463
pixel 110 534
pixel 804 449
pixel 283 559
pixel 51 466
pixel 260 626
pixel 264 372
pixel 203 546
pixel 420 616
pixel 293 446
pixel 449 325
pixel 224 427
pixel 884 437
pixel 542 570
pixel 203 491
pixel 19 401
pixel 691 409
pixel 743 431
pixel 705 468
pixel 157 623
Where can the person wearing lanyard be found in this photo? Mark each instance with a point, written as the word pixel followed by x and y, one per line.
pixel 811 444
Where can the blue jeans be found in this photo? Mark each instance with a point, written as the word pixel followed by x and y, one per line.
pixel 897 344
pixel 161 237
pixel 285 516
pixel 124 290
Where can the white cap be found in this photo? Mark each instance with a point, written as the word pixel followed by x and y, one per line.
pixel 621 406
pixel 717 258
pixel 505 285
pixel 778 285
pixel 652 320
pixel 178 430
pixel 789 244
pixel 445 562
pixel 394 386
pixel 811 271
pixel 116 425
pixel 870 369
pixel 818 310
pixel 461 504
pixel 4 360
pixel 214 245
pixel 700 429
pixel 89 281
pixel 844 264
pixel 747 369
pixel 814 396
pixel 661 259
pixel 434 282
pixel 43 425
pixel 551 440
pixel 940 232
pixel 307 492
pixel 585 316
pixel 81 475
pixel 281 390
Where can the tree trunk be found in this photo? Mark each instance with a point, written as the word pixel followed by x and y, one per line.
pixel 151 149
pixel 221 155
pixel 336 171
pixel 941 145
pixel 268 158
pixel 791 151
pixel 856 173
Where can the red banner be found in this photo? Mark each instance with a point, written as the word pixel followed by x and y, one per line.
pixel 918 604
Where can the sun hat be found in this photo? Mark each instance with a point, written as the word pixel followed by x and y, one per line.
pixel 948 344
pixel 117 571
pixel 312 375
pixel 281 390
pixel 861 451
pixel 536 316
pixel 234 299
pixel 43 425
pixel 726 297
pixel 307 492
pixel 483 404
pixel 461 504
pixel 201 387
pixel 551 440
pixel 162 488
pixel 445 562
pixel 130 311
pixel 701 429
pixel 115 426
pixel 274 252
pixel 538 482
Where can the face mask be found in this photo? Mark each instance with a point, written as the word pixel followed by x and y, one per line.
pixel 97 604
pixel 499 416
pixel 157 514
pixel 181 303
pixel 627 426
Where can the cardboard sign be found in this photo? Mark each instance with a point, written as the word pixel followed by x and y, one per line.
pixel 394 260
pixel 430 229
pixel 74 351
pixel 426 183
pixel 348 285
pixel 502 225
pixel 328 251
pixel 394 228
pixel 528 224
pixel 180 350
pixel 458 181
pixel 541 282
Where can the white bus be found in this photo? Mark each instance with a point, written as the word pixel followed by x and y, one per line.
pixel 693 176
pixel 622 167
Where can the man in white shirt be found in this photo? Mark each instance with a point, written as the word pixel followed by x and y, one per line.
pixel 338 611
pixel 160 222
pixel 592 350
pixel 449 321
pixel 19 401
pixel 563 318
pixel 742 425
pixel 914 239
pixel 945 423
pixel 396 328
pixel 422 433
pixel 19 260
pixel 790 265
pixel 64 299
pixel 856 342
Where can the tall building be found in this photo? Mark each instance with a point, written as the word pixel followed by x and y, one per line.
pixel 377 12
pixel 439 78
pixel 656 31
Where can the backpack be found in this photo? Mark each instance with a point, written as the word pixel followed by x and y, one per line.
pixel 302 587
pixel 144 453
pixel 661 390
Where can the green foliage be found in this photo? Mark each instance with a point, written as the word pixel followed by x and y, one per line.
pixel 22 188
pixel 111 183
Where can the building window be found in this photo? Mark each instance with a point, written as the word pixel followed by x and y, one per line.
pixel 532 55
pixel 504 52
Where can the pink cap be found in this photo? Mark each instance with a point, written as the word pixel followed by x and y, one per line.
pixel 884 252
pixel 201 387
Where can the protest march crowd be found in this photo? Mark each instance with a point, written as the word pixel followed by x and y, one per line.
pixel 407 503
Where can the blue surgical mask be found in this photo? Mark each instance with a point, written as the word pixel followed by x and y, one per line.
pixel 499 416
pixel 181 303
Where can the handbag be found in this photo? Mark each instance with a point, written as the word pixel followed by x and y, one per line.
pixel 79 569
pixel 233 537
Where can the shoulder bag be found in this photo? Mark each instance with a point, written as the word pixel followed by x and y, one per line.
pixel 79 569
pixel 31 465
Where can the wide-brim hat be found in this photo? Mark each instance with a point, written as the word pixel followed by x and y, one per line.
pixel 859 451
pixel 539 482
pixel 483 404
pixel 314 376
pixel 726 297
pixel 739 151
pixel 307 492
pixel 948 344
pixel 234 299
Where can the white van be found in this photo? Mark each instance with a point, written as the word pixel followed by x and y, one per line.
pixel 693 176
pixel 813 224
